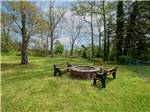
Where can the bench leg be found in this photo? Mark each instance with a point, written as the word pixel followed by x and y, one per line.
pixel 103 81
pixel 114 75
pixel 55 72
pixel 60 73
pixel 94 81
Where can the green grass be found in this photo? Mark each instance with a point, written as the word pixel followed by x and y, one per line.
pixel 33 88
pixel 143 71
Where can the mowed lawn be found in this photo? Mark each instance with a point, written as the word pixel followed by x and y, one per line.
pixel 33 88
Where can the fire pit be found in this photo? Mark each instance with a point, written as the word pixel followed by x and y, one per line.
pixel 83 72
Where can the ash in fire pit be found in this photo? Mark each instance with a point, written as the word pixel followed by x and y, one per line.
pixel 84 72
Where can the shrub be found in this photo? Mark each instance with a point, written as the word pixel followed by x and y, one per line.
pixel 124 59
pixel 39 52
pixel 59 48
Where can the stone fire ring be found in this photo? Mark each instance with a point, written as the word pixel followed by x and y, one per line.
pixel 83 72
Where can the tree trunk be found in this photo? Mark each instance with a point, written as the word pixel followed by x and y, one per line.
pixel 104 19
pixel 51 49
pixel 72 47
pixel 47 46
pixel 119 29
pixel 24 54
pixel 108 45
pixel 99 42
pixel 24 59
pixel 92 35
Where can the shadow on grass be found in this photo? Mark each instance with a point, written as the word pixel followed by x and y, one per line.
pixel 10 66
pixel 6 66
pixel 16 72
pixel 24 77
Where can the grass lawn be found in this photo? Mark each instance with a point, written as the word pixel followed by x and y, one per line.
pixel 33 88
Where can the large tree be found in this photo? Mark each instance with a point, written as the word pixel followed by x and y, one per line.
pixel 119 29
pixel 74 25
pixel 104 20
pixel 25 20
pixel 87 10
pixel 137 41
pixel 54 17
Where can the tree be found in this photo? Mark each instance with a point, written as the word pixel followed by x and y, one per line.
pixel 74 29
pixel 59 47
pixel 137 39
pixel 99 28
pixel 6 22
pixel 25 20
pixel 110 34
pixel 119 29
pixel 84 54
pixel 54 16
pixel 43 32
pixel 87 10
pixel 105 17
pixel 104 20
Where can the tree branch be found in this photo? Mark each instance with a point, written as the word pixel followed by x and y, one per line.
pixel 13 17
pixel 86 20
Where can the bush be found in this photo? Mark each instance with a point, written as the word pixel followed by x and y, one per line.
pixel 124 59
pixel 84 55
pixel 112 56
pixel 59 48
pixel 38 52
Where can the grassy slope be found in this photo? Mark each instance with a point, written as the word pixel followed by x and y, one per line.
pixel 34 88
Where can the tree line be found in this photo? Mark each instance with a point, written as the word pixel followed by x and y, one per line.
pixel 123 27
pixel 125 33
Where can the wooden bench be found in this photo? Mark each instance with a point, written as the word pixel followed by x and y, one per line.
pixel 112 72
pixel 59 68
pixel 101 77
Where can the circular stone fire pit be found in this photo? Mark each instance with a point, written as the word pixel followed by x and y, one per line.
pixel 83 72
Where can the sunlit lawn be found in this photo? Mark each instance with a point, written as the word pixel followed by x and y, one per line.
pixel 33 88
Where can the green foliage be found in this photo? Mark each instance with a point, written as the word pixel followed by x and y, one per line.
pixel 124 59
pixel 38 52
pixel 77 52
pixel 137 41
pixel 112 55
pixel 39 47
pixel 99 55
pixel 86 51
pixel 59 48
pixel 8 46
